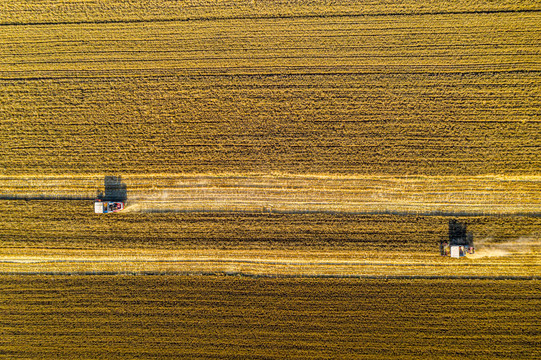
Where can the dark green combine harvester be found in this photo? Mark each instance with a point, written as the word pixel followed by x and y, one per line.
pixel 460 241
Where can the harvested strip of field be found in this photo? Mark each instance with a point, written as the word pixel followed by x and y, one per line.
pixel 521 262
pixel 222 317
pixel 496 195
pixel 490 195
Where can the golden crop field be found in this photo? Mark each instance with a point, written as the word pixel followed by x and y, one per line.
pixel 289 168
pixel 222 318
pixel 46 237
pixel 294 87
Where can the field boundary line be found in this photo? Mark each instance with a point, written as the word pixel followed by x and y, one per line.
pixel 271 276
pixel 174 73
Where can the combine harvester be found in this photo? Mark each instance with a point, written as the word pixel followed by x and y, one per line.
pixel 104 207
pixel 460 241
pixel 114 198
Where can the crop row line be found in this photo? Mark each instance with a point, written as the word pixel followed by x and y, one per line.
pixel 269 17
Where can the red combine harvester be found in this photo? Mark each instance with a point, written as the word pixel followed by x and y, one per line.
pixel 113 199
pixel 104 207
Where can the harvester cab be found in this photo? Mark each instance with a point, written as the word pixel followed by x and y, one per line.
pixel 460 241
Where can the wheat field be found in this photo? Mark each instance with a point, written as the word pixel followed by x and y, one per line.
pixel 291 167
pixel 222 318
pixel 293 88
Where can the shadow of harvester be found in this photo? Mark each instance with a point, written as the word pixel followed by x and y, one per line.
pixel 115 190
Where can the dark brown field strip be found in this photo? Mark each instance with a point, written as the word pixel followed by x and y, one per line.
pixel 268 57
pixel 269 276
pixel 122 75
pixel 278 16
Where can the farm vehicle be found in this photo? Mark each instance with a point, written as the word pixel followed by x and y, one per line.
pixel 460 242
